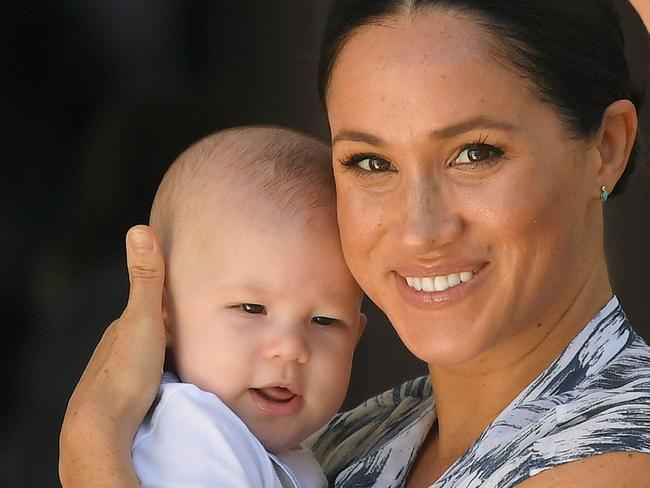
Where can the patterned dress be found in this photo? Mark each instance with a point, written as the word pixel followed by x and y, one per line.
pixel 594 399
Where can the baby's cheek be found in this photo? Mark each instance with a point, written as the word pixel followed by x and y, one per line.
pixel 337 378
pixel 203 361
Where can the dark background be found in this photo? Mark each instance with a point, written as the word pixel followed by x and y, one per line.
pixel 98 97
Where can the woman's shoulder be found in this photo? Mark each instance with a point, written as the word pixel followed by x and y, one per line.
pixel 606 379
pixel 608 413
pixel 628 370
pixel 623 383
pixel 351 435
pixel 610 416
pixel 611 411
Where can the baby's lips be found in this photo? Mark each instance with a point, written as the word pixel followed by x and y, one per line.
pixel 276 393
pixel 276 400
pixel 280 390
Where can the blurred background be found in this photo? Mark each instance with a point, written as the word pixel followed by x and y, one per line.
pixel 98 98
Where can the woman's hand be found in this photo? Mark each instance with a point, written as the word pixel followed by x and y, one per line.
pixel 120 380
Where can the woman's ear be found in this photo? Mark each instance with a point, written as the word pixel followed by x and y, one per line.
pixel 614 142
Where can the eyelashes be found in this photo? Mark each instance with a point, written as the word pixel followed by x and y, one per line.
pixel 471 156
pixel 479 153
pixel 365 164
pixel 257 309
pixel 253 308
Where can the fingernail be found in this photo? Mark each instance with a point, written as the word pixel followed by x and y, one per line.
pixel 141 241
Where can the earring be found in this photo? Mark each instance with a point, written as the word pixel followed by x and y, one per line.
pixel 604 194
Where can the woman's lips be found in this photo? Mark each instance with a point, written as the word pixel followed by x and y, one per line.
pixel 433 288
pixel 276 400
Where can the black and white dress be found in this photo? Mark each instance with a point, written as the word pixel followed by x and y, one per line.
pixel 594 399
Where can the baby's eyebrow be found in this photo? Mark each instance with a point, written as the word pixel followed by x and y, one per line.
pixel 251 288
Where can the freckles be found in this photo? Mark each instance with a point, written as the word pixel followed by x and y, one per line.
pixel 367 211
pixel 375 222
pixel 516 209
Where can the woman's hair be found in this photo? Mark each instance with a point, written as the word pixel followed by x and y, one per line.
pixel 572 51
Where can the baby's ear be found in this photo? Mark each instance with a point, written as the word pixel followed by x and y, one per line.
pixel 363 320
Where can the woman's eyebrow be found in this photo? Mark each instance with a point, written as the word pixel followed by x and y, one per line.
pixel 480 122
pixel 356 136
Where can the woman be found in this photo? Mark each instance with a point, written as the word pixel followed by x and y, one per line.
pixel 475 144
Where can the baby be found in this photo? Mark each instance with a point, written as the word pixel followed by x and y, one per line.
pixel 262 314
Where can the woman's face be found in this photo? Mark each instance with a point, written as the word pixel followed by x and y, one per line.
pixel 467 211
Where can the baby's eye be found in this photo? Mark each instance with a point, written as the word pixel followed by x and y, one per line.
pixel 477 154
pixel 253 308
pixel 324 321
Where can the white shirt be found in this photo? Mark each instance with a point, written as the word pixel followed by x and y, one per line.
pixel 191 439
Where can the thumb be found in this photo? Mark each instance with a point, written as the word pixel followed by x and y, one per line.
pixel 146 273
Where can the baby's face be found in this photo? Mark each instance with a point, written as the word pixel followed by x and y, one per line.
pixel 267 317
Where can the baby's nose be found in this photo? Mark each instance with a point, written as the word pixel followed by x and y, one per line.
pixel 288 344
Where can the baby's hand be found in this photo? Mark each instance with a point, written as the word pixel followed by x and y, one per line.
pixel 120 380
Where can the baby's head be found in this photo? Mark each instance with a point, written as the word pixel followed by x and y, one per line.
pixel 259 305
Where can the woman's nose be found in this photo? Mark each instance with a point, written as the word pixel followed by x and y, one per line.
pixel 287 343
pixel 427 220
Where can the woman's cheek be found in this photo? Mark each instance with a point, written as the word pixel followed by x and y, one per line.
pixel 363 221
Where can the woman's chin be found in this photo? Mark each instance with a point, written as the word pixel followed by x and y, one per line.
pixel 443 343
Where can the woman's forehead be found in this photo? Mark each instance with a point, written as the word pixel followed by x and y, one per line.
pixel 423 73
pixel 431 33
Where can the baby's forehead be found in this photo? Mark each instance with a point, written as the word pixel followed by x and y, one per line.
pixel 238 214
pixel 240 203
pixel 261 241
pixel 269 163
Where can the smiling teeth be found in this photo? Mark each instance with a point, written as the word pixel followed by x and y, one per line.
pixel 439 283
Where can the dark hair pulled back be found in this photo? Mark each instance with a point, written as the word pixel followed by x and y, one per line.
pixel 572 51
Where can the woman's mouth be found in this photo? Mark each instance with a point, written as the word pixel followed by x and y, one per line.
pixel 440 288
pixel 438 283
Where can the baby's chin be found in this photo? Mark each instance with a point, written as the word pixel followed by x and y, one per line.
pixel 282 438
pixel 276 444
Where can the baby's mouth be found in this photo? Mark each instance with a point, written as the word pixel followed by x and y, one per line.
pixel 275 394
pixel 277 399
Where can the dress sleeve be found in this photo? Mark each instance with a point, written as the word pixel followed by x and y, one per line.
pixel 193 440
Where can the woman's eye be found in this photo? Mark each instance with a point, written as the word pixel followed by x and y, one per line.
pixel 477 154
pixel 253 308
pixel 367 164
pixel 374 164
pixel 324 320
